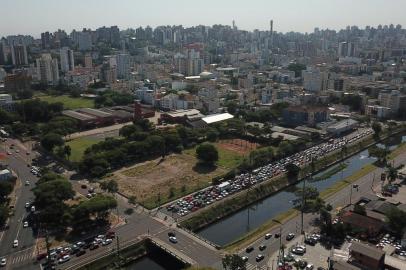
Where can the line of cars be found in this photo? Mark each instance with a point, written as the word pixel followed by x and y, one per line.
pixel 63 254
pixel 214 193
pixel 389 240
pixel 263 246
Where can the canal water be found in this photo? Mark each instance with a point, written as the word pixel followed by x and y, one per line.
pixel 235 226
pixel 156 261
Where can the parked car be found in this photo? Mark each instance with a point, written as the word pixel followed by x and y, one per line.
pixel 309 266
pixel 64 259
pixel 244 258
pixel 173 239
pixel 290 236
pixel 94 246
pixel 249 249
pixel 262 247
pixel 80 253
pixel 3 262
pixel 268 236
pixel 107 242
pixel 259 257
pixel 15 243
pixel 41 256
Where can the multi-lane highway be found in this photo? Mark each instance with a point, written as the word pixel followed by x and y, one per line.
pixel 143 223
pixel 367 184
pixel 140 223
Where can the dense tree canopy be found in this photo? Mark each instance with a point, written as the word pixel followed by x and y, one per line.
pixel 292 170
pixel 233 262
pixel 397 221
pixel 113 98
pixel 50 140
pixel 207 153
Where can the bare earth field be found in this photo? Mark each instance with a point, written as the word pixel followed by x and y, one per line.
pixel 238 145
pixel 152 180
pixel 158 181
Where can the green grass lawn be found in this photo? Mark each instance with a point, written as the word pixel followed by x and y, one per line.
pixel 79 146
pixel 69 103
pixel 227 159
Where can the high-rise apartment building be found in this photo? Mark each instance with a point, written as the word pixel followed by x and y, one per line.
pixel 84 40
pixel 88 60
pixel 2 54
pixel 47 69
pixel 315 80
pixel 346 49
pixel 19 55
pixel 123 62
pixel 46 40
pixel 392 99
pixel 67 59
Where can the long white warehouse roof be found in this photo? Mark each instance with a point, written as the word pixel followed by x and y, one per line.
pixel 217 118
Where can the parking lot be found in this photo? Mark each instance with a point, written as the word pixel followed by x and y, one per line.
pixel 309 256
pixel 205 197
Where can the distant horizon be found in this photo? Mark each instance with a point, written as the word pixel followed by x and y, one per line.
pixel 38 36
pixel 35 17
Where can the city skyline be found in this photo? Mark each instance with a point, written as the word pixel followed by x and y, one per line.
pixel 290 15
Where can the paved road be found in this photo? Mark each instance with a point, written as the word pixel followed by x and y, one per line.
pixel 109 129
pixel 25 252
pixel 367 184
pixel 143 223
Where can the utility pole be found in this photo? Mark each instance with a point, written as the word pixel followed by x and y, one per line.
pixel 280 252
pixel 118 249
pixel 303 203
pixel 47 247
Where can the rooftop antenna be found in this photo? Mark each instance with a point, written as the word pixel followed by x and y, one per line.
pixel 271 33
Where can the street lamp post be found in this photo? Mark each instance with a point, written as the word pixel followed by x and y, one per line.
pixel 280 252
pixel 303 203
pixel 351 188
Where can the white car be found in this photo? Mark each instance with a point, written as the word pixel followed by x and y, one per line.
pixel 107 242
pixel 33 208
pixel 15 243
pixel 65 258
pixel 25 225
pixel 3 262
pixel 309 266
pixel 173 239
pixel 27 205
pixel 27 183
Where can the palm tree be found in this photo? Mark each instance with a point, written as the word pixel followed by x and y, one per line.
pixel 392 173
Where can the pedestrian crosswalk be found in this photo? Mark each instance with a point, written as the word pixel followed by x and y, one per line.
pixel 21 257
pixel 255 267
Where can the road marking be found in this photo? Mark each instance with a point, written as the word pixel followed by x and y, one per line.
pixel 19 226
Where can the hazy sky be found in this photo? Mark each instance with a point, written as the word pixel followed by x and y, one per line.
pixel 36 16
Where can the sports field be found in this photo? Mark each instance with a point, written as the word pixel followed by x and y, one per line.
pixel 69 103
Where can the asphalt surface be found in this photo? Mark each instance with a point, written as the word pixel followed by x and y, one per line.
pixel 25 252
pixel 368 184
pixel 144 223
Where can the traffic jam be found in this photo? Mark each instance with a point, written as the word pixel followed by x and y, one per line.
pixel 207 196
